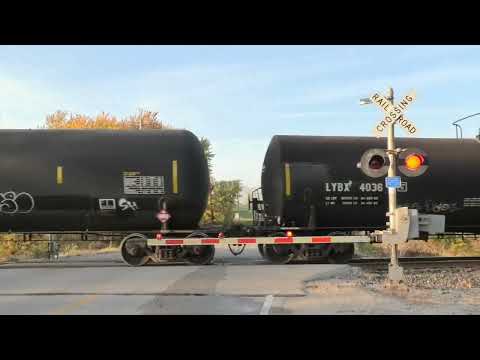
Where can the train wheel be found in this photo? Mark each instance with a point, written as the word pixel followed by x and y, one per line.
pixel 134 250
pixel 201 254
pixel 279 254
pixel 340 253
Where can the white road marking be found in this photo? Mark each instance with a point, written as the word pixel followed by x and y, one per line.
pixel 267 305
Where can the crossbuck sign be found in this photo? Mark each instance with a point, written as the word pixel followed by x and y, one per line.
pixel 394 113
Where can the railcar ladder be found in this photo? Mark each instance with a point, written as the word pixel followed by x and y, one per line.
pixel 255 203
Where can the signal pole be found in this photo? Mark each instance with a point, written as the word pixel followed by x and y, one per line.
pixel 393 114
pixel 395 272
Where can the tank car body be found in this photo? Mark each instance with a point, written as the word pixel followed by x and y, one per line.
pixel 314 181
pixel 100 180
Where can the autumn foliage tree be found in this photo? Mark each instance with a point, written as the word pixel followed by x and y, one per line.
pixel 142 120
pixel 223 194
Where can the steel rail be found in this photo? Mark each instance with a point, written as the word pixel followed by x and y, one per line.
pixel 417 259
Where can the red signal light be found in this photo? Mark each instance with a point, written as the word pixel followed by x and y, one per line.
pixel 414 161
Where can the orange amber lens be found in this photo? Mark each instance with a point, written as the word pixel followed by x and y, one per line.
pixel 413 162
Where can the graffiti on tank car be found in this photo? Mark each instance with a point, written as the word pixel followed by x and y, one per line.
pixel 13 203
pixel 338 186
pixel 435 207
pixel 439 208
pixel 125 204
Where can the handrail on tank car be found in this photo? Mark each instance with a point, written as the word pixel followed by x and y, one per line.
pixel 458 126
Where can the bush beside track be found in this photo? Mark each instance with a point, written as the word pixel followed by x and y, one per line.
pixel 24 250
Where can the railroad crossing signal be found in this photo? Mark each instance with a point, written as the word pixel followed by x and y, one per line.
pixel 411 162
pixel 379 162
pixel 374 163
pixel 394 113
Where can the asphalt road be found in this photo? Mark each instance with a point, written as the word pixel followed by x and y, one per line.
pixel 104 285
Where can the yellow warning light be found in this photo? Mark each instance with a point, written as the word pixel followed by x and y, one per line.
pixel 289 234
pixel 414 161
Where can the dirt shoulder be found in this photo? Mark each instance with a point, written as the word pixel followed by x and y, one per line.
pixel 358 291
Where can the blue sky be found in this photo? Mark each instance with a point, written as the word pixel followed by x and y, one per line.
pixel 240 96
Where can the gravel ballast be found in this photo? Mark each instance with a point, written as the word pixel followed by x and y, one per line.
pixel 427 278
pixel 428 291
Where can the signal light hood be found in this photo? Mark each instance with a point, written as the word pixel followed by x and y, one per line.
pixel 374 163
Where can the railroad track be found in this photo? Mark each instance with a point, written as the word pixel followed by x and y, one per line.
pixel 427 261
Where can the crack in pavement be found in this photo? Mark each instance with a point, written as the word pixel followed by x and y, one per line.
pixel 204 281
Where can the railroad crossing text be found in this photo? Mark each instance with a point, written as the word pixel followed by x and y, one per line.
pixel 402 121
